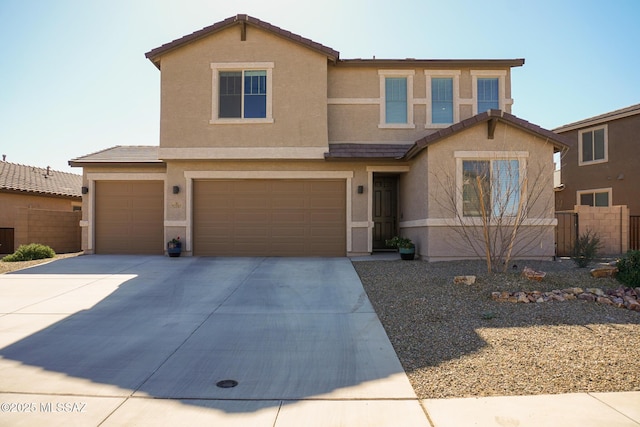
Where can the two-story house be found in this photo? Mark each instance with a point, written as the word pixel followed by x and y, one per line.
pixel 270 144
pixel 601 167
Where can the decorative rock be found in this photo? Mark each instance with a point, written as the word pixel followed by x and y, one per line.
pixel 608 271
pixel 531 274
pixel 575 291
pixel 596 291
pixel 587 297
pixel 464 280
pixel 621 297
pixel 604 300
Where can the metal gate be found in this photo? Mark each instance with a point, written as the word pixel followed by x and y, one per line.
pixel 566 233
pixel 634 232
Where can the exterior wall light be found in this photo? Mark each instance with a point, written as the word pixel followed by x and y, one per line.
pixel 85 190
pixel 360 189
pixel 176 189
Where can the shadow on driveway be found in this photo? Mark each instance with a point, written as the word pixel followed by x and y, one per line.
pixel 284 329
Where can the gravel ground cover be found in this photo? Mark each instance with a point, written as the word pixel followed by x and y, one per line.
pixel 453 340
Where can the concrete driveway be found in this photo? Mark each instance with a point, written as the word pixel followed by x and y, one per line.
pixel 123 340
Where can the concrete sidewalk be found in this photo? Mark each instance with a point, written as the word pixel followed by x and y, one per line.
pixel 117 340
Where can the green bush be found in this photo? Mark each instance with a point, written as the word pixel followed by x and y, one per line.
pixel 586 249
pixel 30 252
pixel 629 269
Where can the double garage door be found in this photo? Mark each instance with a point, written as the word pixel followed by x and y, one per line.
pixel 230 217
pixel 269 218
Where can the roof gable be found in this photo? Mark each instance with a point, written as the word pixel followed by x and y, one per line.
pixel 491 118
pixel 31 179
pixel 244 21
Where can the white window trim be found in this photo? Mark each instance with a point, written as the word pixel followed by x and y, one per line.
pixel 216 67
pixel 460 156
pixel 606 145
pixel 455 76
pixel 608 190
pixel 410 102
pixel 501 75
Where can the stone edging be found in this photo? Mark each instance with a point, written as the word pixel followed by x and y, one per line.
pixel 622 297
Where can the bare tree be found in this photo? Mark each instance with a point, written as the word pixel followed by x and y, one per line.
pixel 497 204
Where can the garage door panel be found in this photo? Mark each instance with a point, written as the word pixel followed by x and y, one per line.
pixel 270 217
pixel 129 217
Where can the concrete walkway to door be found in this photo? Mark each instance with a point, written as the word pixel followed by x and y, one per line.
pixel 129 340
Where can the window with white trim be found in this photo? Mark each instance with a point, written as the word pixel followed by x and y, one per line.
pixel 443 97
pixel 489 90
pixel 488 94
pixel 491 187
pixel 396 93
pixel 593 146
pixel 241 92
pixel 599 197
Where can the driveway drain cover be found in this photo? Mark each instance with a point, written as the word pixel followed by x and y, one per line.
pixel 227 383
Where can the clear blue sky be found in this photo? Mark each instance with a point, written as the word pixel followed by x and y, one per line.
pixel 74 79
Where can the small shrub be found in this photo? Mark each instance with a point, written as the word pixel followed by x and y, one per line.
pixel 586 249
pixel 30 252
pixel 629 269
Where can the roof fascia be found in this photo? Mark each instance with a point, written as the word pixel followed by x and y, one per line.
pixel 154 55
pixel 432 63
pixel 594 121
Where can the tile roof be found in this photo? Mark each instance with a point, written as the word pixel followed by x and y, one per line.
pixel 366 151
pixel 558 141
pixel 120 154
pixel 155 54
pixel 602 118
pixel 432 63
pixel 31 179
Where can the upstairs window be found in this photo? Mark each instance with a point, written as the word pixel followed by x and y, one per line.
pixel 241 93
pixel 593 146
pixel 442 100
pixel 490 188
pixel 488 94
pixel 396 100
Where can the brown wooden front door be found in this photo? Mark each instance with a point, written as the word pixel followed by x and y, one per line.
pixel 385 210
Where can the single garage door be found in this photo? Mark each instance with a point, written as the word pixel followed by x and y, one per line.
pixel 269 218
pixel 129 217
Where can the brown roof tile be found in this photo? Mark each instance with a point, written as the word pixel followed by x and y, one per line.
pixel 31 179
pixel 154 54
pixel 366 151
pixel 559 141
pixel 120 154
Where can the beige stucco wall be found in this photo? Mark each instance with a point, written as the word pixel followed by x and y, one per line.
pixel 355 101
pixel 430 224
pixel 182 173
pixel 299 93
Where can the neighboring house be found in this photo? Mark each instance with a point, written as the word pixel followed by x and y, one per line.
pixel 601 168
pixel 39 205
pixel 270 145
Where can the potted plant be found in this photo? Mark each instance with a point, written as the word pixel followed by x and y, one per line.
pixel 174 247
pixel 404 245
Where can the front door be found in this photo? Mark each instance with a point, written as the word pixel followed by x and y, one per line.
pixel 385 210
